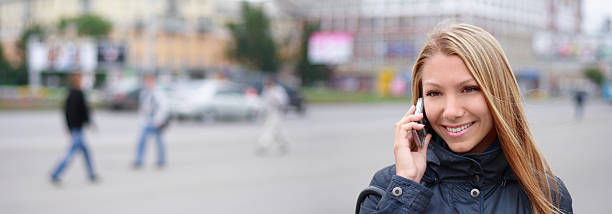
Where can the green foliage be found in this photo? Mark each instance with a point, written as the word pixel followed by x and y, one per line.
pixel 308 72
pixel 325 95
pixel 253 44
pixel 3 62
pixel 87 25
pixel 19 75
pixel 6 72
pixel 595 75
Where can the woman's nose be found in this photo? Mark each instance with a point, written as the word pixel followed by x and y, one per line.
pixel 453 109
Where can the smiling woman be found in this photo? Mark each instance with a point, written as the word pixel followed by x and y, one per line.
pixel 456 107
pixel 479 155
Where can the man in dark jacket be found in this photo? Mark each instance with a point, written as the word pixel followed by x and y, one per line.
pixel 77 115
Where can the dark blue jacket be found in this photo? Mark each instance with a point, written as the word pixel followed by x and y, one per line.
pixel 471 183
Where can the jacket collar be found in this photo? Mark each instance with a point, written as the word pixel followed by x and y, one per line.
pixel 443 164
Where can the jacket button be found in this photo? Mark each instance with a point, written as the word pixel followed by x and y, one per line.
pixel 476 179
pixel 475 193
pixel 397 191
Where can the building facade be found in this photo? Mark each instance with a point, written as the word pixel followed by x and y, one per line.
pixel 393 30
pixel 389 33
pixel 165 35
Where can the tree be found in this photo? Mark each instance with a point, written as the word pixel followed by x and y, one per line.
pixel 6 71
pixel 252 42
pixel 308 72
pixel 595 75
pixel 19 75
pixel 87 25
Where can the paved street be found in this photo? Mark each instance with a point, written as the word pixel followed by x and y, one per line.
pixel 335 150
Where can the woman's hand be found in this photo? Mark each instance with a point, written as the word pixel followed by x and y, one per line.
pixel 410 160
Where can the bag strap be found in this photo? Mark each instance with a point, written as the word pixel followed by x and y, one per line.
pixel 370 190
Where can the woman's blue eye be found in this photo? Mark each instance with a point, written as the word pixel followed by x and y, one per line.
pixel 470 89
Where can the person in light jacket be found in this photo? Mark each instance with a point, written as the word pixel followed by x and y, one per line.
pixel 155 115
pixel 275 100
pixel 479 155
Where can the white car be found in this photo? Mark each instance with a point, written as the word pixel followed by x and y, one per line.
pixel 213 99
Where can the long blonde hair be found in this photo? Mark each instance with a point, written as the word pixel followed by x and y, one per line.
pixel 487 63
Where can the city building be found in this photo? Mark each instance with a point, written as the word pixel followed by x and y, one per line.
pixel 164 35
pixel 389 33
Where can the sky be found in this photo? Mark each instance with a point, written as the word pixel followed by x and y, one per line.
pixel 594 12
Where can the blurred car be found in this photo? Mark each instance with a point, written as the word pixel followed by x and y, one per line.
pixel 209 100
pixel 297 103
pixel 296 100
pixel 124 94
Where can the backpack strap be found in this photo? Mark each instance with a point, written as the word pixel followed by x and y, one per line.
pixel 370 190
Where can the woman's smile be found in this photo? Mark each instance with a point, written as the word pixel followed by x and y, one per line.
pixel 458 130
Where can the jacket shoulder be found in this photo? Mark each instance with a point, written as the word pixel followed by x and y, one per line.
pixel 382 178
pixel 562 196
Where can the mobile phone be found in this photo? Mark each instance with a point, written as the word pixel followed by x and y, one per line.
pixel 419 135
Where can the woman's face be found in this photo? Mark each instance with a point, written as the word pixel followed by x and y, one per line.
pixel 455 105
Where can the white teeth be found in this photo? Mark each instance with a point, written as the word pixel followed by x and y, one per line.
pixel 458 129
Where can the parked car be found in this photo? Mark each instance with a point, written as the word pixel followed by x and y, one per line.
pixel 296 100
pixel 209 100
pixel 297 103
pixel 124 94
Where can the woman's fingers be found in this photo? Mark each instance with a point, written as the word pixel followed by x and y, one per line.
pixel 408 161
pixel 406 130
pixel 407 134
pixel 417 117
pixel 412 125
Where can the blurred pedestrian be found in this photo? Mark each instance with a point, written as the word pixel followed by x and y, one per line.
pixel 275 100
pixel 479 155
pixel 77 116
pixel 155 116
pixel 579 99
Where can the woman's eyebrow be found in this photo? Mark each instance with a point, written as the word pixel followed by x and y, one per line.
pixel 460 83
pixel 430 83
pixel 467 81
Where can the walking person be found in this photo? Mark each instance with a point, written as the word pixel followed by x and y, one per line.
pixel 77 116
pixel 155 116
pixel 479 155
pixel 275 100
pixel 579 98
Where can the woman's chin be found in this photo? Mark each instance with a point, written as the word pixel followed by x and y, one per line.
pixel 459 147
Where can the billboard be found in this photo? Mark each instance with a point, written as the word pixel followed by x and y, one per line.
pixel 330 47
pixel 109 53
pixel 62 56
